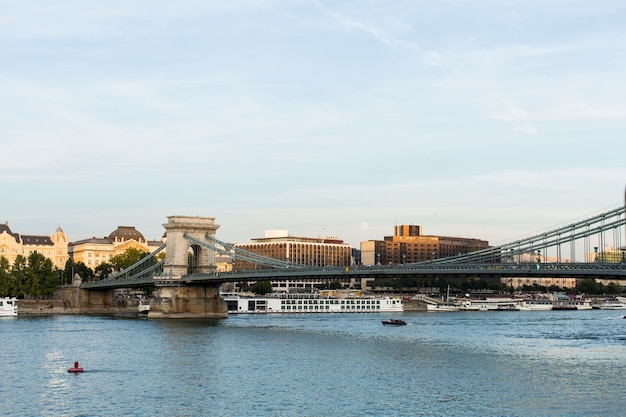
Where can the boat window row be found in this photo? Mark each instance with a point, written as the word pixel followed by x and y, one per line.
pixel 327 307
pixel 331 301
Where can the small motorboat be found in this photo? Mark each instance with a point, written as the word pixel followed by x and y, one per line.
pixel 394 322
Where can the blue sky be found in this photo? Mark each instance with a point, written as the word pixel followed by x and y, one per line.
pixel 486 119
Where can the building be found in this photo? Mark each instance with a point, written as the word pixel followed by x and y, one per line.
pixel 408 245
pixel 519 282
pixel 53 247
pixel 314 252
pixel 95 251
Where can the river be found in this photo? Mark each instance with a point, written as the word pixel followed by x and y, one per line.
pixel 556 363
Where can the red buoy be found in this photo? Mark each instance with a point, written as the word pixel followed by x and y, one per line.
pixel 76 368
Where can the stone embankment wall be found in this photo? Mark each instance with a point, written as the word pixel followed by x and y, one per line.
pixel 75 302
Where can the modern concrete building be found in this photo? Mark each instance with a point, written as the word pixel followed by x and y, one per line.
pixel 95 251
pixel 314 252
pixel 53 247
pixel 408 245
pixel 278 244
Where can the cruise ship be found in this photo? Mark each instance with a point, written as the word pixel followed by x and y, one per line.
pixel 309 303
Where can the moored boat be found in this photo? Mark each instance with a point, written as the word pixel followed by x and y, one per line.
pixel 309 303
pixel 572 304
pixel 144 306
pixel 8 307
pixel 442 307
pixel 534 305
pixel 489 304
pixel 619 303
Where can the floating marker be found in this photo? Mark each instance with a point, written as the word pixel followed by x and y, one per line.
pixel 76 368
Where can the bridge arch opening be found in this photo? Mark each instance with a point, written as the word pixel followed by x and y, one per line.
pixel 195 259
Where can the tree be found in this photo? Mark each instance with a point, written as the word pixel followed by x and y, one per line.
pixel 6 287
pixel 335 285
pixel 588 286
pixel 262 287
pixel 43 277
pixel 614 288
pixel 103 270
pixel 83 271
pixel 19 275
pixel 127 258
pixel 68 272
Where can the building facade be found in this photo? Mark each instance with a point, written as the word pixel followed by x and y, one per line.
pixel 408 245
pixel 53 247
pixel 95 251
pixel 313 252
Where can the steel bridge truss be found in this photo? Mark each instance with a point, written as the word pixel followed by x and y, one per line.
pixel 538 245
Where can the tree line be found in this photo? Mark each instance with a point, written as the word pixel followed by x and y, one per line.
pixel 583 286
pixel 36 276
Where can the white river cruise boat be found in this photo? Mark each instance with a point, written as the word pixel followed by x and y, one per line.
pixel 618 304
pixel 309 303
pixel 534 305
pixel 489 304
pixel 8 307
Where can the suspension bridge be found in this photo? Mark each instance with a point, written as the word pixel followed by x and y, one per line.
pixel 192 289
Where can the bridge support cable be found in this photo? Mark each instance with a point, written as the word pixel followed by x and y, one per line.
pixel 216 248
pixel 128 272
pixel 251 256
pixel 583 229
pixel 239 253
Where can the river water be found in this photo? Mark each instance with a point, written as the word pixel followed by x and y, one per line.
pixel 557 363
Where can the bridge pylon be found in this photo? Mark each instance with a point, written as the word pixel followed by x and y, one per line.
pixel 174 299
pixel 178 248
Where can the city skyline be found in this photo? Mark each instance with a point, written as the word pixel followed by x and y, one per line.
pixel 490 121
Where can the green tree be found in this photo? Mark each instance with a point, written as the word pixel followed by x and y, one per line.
pixel 588 286
pixel 614 288
pixel 68 272
pixel 19 276
pixel 6 283
pixel 83 271
pixel 43 276
pixel 127 258
pixel 103 270
pixel 262 287
pixel 335 285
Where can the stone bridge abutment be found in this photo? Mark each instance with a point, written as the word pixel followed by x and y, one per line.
pixel 174 299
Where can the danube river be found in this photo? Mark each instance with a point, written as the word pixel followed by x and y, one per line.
pixel 565 363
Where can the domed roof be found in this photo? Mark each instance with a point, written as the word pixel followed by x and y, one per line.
pixel 126 233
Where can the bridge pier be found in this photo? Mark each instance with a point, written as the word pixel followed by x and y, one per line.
pixel 188 302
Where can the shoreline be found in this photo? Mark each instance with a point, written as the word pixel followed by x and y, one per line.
pixel 45 307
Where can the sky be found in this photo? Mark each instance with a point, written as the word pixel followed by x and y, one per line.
pixel 490 119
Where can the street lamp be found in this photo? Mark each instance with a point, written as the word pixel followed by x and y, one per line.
pixel 378 257
pixel 403 258
pixel 595 249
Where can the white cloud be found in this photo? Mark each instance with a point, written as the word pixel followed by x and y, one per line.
pixel 529 130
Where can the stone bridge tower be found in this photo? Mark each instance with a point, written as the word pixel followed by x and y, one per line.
pixel 174 300
pixel 178 248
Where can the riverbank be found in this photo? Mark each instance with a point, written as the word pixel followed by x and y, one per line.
pixel 56 306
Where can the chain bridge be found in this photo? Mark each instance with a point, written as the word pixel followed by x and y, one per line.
pixel 191 288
